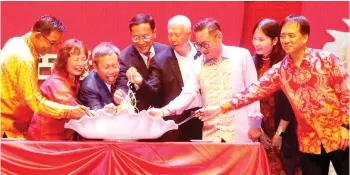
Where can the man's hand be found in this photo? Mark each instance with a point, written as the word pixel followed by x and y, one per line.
pixel 206 113
pixel 155 112
pixel 344 138
pixel 277 141
pixel 110 108
pixel 265 140
pixel 134 76
pixel 118 96
pixel 79 111
pixel 254 134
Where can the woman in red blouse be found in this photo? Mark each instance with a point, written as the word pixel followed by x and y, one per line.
pixel 275 108
pixel 61 86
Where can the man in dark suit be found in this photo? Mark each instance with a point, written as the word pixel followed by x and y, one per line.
pixel 97 89
pixel 138 62
pixel 172 67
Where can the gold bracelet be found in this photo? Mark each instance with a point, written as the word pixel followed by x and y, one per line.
pixel 162 112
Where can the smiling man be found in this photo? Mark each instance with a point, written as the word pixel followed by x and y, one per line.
pixel 314 82
pixel 138 62
pixel 97 89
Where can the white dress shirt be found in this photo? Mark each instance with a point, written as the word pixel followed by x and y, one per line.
pixel 152 53
pixel 233 72
pixel 109 87
pixel 186 63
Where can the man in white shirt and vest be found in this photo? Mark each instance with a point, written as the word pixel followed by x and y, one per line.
pixel 224 71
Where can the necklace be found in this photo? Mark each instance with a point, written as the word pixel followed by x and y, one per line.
pixel 265 59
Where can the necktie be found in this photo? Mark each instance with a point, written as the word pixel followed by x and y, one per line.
pixel 149 58
pixel 198 54
pixel 112 89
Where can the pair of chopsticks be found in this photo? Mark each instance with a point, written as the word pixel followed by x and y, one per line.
pixel 189 118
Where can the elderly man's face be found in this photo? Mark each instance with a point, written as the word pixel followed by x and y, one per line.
pixel 178 36
pixel 209 43
pixel 142 37
pixel 107 68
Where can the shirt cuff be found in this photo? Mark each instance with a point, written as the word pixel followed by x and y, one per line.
pixel 254 122
pixel 172 112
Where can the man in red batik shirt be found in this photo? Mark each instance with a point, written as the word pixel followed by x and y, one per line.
pixel 315 83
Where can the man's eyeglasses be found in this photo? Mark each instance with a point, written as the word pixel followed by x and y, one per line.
pixel 204 44
pixel 52 43
pixel 145 38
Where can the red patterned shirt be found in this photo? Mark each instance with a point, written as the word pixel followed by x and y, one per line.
pixel 318 93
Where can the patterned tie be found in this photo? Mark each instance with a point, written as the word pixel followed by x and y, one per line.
pixel 149 58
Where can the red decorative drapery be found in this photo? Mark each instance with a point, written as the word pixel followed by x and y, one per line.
pixel 33 157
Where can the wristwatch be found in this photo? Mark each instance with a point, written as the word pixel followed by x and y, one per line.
pixel 280 133
pixel 345 126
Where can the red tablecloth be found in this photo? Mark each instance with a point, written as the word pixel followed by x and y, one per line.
pixel 28 157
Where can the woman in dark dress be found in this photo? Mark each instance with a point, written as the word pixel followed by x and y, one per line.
pixel 279 122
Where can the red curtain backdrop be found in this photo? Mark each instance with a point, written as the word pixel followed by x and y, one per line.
pixel 94 22
pixel 27 157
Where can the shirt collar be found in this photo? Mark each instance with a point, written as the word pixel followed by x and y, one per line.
pixel 70 82
pixel 191 54
pixel 224 55
pixel 151 51
pixel 108 86
pixel 31 46
pixel 306 59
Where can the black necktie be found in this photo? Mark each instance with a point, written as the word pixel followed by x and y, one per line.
pixel 113 89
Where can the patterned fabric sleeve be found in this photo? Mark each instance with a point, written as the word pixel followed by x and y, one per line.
pixel 341 89
pixel 28 86
pixel 267 84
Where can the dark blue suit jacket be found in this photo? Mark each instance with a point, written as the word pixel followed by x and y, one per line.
pixel 94 93
pixel 172 84
pixel 149 92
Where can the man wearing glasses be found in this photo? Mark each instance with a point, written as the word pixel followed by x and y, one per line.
pixel 224 71
pixel 138 62
pixel 19 79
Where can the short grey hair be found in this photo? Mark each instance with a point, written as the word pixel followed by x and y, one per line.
pixel 181 20
pixel 103 49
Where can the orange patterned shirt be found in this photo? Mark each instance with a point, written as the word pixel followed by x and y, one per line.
pixel 19 88
pixel 318 93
